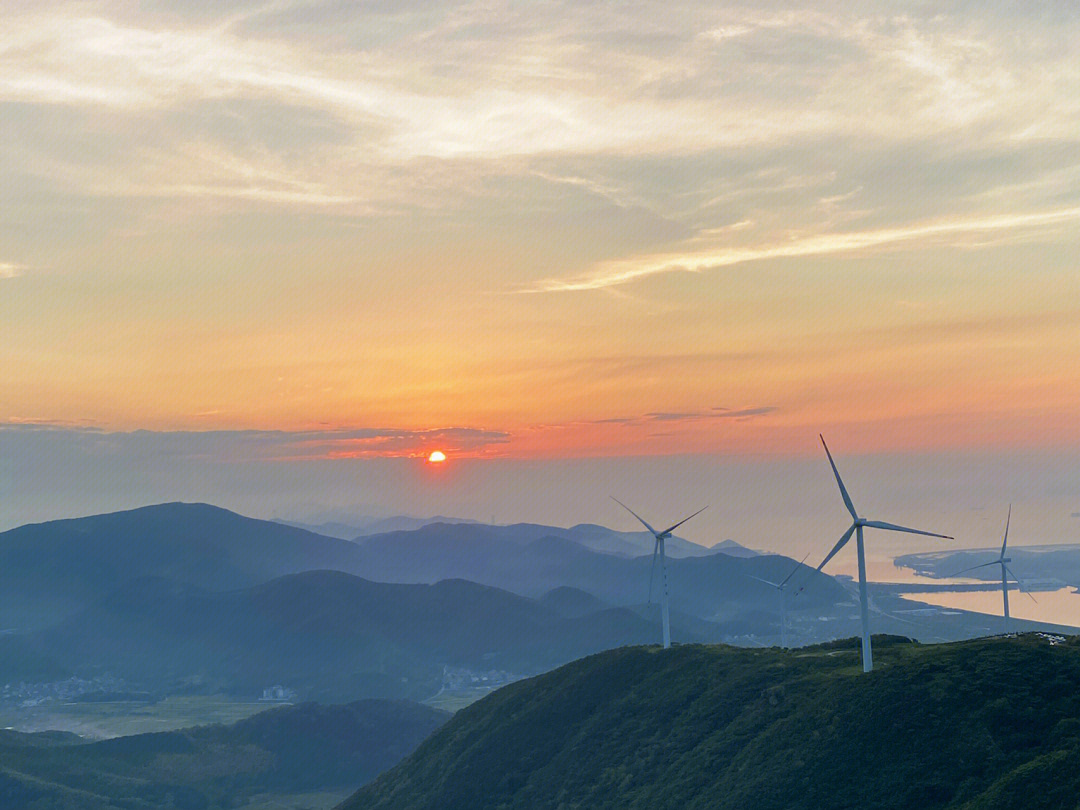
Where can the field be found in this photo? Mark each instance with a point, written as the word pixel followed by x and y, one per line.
pixel 103 720
pixel 297 801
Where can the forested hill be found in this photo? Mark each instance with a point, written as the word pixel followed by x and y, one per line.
pixel 282 750
pixel 989 723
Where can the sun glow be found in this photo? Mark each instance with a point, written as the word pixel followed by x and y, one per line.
pixel 437 457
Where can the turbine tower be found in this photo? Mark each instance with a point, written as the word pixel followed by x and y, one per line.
pixel 783 598
pixel 658 548
pixel 857 526
pixel 1003 561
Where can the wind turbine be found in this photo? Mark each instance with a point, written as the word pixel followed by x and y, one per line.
pixel 783 597
pixel 857 526
pixel 1003 561
pixel 658 548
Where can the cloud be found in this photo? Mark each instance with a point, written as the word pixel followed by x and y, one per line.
pixel 614 273
pixel 742 413
pixel 686 416
pixel 254 445
pixel 11 270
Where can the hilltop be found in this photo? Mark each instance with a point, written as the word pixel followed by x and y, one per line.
pixel 988 723
pixel 54 569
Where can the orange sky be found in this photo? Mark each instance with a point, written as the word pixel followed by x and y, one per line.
pixel 709 230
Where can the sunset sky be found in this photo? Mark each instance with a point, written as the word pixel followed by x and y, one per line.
pixel 309 240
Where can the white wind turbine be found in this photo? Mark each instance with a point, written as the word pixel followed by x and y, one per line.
pixel 658 548
pixel 1003 561
pixel 780 586
pixel 857 526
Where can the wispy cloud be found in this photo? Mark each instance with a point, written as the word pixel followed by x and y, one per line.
pixel 11 270
pixel 254 445
pixel 610 274
pixel 688 416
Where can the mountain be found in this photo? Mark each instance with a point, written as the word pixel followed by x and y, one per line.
pixel 627 544
pixel 284 750
pixel 360 526
pixel 51 570
pixel 404 523
pixel 733 549
pixel 990 723
pixel 532 560
pixel 571 602
pixel 327 635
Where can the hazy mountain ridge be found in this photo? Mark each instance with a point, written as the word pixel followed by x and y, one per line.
pixel 326 634
pixel 363 526
pixel 52 570
pixel 49 570
pixel 976 724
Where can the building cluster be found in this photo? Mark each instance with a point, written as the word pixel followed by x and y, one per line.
pixel 26 695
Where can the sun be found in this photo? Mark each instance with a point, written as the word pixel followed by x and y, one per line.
pixel 437 457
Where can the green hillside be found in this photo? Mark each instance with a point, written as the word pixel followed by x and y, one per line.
pixel 989 723
pixel 310 747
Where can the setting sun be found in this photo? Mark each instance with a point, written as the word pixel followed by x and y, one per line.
pixel 437 457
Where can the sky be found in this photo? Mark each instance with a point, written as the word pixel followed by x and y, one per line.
pixel 269 254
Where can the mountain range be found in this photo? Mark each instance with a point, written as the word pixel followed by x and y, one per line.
pixel 49 571
pixel 327 635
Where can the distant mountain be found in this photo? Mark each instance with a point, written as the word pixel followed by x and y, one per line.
pixel 50 570
pixel 626 544
pixel 53 571
pixel 532 560
pixel 342 531
pixel 403 523
pixel 365 526
pixel 991 723
pixel 284 750
pixel 328 635
pixel 733 549
pixel 572 602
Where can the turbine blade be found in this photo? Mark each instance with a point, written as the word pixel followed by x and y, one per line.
pixel 635 514
pixel 983 565
pixel 842 542
pixel 652 571
pixel 759 579
pixel 892 527
pixel 843 490
pixel 798 565
pixel 893 616
pixel 1006 540
pixel 670 529
pixel 1019 584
